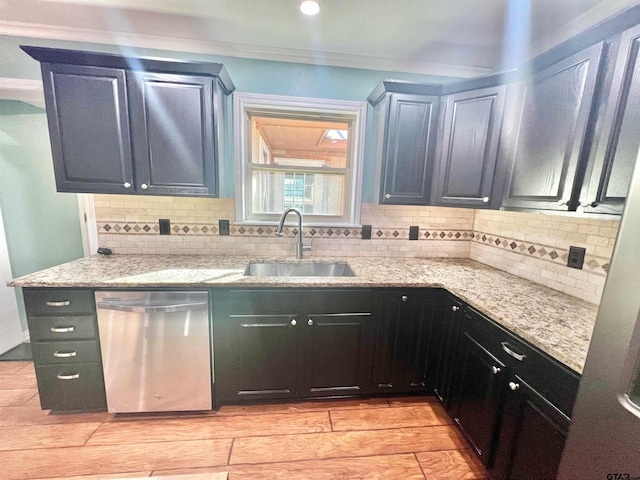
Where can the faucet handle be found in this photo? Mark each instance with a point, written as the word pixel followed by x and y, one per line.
pixel 279 234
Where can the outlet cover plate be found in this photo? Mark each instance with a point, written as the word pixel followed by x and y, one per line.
pixel 223 227
pixel 576 257
pixel 165 226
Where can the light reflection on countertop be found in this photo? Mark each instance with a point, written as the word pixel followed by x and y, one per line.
pixel 556 323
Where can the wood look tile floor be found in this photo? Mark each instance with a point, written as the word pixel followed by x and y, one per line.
pixel 379 438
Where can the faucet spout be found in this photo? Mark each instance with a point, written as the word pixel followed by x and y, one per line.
pixel 299 247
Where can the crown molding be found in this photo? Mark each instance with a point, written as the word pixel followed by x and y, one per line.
pixel 28 91
pixel 138 40
pixel 590 18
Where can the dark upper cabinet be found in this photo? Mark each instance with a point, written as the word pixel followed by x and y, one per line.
pixel 133 125
pixel 89 127
pixel 550 136
pixel 173 135
pixel 616 148
pixel 405 125
pixel 468 149
pixel 403 360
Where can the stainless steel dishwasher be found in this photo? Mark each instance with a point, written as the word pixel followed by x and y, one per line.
pixel 155 350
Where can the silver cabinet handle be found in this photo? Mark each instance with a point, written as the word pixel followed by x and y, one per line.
pixel 63 303
pixel 387 196
pixel 455 308
pixel 496 370
pixel 72 376
pixel 293 322
pixel 485 199
pixel 416 384
pixel 404 298
pixel 62 329
pixel 310 322
pixel 518 356
pixel 64 354
pixel 127 185
pixel 514 386
pixel 144 186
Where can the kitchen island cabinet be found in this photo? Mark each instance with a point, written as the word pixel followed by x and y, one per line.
pixel 292 344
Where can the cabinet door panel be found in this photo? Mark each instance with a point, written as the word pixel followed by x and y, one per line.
pixel 464 174
pixel 444 343
pixel 89 128
pixel 555 109
pixel 612 163
pixel 173 138
pixel 337 354
pixel 409 149
pixel 477 401
pixel 255 357
pixel 531 437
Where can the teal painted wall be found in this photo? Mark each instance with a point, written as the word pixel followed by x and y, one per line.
pixel 41 225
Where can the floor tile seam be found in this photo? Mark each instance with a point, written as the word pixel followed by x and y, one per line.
pixel 419 464
pixel 302 460
pixel 376 407
pixel 345 432
pixel 394 428
pixel 208 418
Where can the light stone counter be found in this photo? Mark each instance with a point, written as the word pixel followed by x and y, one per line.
pixel 556 323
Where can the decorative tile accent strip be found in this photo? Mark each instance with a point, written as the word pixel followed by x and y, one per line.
pixel 594 264
pixel 208 229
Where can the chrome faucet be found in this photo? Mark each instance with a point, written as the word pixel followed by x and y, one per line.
pixel 299 246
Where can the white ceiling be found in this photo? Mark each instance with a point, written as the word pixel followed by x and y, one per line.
pixel 441 37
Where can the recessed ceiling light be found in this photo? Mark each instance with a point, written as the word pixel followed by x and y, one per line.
pixel 309 7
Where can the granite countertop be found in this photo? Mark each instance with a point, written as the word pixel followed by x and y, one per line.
pixel 558 324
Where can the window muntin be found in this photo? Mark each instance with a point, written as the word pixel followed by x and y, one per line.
pixel 303 153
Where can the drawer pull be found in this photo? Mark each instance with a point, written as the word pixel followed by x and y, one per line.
pixel 62 329
pixel 514 386
pixel 496 370
pixel 64 354
pixel 64 303
pixel 417 384
pixel 71 376
pixel 507 348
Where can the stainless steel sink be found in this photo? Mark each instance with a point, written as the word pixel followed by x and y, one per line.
pixel 264 269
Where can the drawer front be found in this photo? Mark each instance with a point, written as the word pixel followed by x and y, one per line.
pixel 65 353
pixel 58 301
pixel 556 382
pixel 62 328
pixel 71 387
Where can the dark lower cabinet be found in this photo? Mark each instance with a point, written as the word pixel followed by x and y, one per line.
pixel 66 349
pixel 258 357
pixel 292 344
pixel 476 403
pixel 444 339
pixel 403 359
pixel 512 402
pixel 532 435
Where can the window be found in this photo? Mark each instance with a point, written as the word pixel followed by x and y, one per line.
pixel 298 152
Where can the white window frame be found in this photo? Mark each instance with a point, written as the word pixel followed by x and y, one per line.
pixel 355 112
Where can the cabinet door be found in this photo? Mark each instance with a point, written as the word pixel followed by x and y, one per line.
pixel 444 343
pixel 531 437
pixel 612 162
pixel 476 403
pixel 255 356
pixel 402 341
pixel 89 128
pixel 409 149
pixel 338 354
pixel 550 136
pixel 466 166
pixel 173 135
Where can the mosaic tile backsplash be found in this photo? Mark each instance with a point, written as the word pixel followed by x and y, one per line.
pixel 532 246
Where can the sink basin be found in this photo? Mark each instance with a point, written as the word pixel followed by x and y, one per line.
pixel 263 269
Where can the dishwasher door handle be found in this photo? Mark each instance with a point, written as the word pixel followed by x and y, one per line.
pixel 142 308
